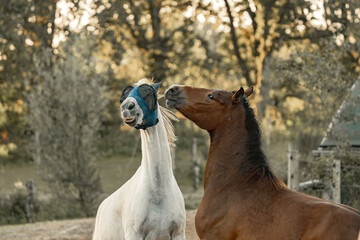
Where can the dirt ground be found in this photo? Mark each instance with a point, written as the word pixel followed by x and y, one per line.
pixel 79 229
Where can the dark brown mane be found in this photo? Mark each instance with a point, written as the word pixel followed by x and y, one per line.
pixel 258 164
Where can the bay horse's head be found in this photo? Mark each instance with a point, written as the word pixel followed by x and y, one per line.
pixel 207 108
pixel 139 106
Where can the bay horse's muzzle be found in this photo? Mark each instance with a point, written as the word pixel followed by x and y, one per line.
pixel 175 96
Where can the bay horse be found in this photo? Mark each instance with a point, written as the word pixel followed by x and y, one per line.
pixel 243 199
pixel 150 204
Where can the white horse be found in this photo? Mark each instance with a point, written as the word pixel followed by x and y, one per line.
pixel 150 204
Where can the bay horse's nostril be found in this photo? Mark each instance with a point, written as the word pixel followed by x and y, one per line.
pixel 174 89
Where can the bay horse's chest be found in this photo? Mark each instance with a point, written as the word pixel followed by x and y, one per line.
pixel 233 216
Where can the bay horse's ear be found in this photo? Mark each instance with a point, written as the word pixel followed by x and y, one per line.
pixel 238 95
pixel 249 91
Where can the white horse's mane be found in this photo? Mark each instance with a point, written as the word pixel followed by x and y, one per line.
pixel 166 114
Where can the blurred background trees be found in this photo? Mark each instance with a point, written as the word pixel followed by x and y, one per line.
pixel 26 27
pixel 64 63
pixel 66 108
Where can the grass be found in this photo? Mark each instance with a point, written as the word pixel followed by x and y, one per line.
pixel 117 169
pixel 114 171
pixel 12 174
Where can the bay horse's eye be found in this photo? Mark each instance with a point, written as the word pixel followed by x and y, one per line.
pixel 211 97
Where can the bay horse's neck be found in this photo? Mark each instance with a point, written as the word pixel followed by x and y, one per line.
pixel 156 157
pixel 235 153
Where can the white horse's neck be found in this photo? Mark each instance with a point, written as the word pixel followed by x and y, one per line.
pixel 156 157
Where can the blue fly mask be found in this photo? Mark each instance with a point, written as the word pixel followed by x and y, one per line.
pixel 146 97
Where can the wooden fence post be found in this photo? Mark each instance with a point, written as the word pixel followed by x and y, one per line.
pixel 30 201
pixel 337 180
pixel 293 167
pixel 196 163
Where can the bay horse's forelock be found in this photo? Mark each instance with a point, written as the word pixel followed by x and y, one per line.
pixel 243 198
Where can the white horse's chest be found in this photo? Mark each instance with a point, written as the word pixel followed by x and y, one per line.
pixel 159 218
pixel 156 210
pixel 157 201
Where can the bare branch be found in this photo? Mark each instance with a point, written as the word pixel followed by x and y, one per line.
pixel 171 35
pixel 311 36
pixel 141 40
pixel 155 6
pixel 252 16
pixel 136 20
pixel 241 61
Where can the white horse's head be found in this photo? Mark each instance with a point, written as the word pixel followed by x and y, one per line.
pixel 133 114
pixel 139 106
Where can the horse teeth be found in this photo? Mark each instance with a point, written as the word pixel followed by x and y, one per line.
pixel 129 119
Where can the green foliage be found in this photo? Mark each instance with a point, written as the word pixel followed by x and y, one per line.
pixel 143 25
pixel 13 207
pixel 65 115
pixel 320 168
pixel 308 87
pixel 25 27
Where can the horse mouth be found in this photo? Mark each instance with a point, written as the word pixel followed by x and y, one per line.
pixel 130 121
pixel 175 97
pixel 171 103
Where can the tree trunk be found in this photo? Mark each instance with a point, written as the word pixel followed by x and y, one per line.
pixel 239 58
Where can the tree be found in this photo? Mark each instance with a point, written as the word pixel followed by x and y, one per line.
pixel 283 23
pixel 25 27
pixel 153 27
pixel 307 88
pixel 66 108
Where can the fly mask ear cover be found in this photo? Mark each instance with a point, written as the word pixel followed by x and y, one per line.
pixel 146 97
